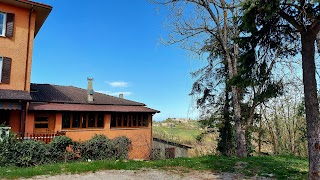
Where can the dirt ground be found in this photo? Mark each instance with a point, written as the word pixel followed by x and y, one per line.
pixel 148 174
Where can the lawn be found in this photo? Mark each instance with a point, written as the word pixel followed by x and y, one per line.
pixel 280 167
pixel 185 133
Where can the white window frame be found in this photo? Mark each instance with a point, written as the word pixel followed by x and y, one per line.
pixel 4 24
pixel 1 64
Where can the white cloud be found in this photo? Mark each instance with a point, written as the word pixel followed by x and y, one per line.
pixel 121 84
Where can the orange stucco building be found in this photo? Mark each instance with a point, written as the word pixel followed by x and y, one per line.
pixel 43 108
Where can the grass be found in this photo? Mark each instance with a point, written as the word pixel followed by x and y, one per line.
pixel 280 167
pixel 182 132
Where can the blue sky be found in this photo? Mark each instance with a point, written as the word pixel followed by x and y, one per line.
pixel 118 44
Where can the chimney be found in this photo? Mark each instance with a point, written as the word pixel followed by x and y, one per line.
pixel 90 90
pixel 121 96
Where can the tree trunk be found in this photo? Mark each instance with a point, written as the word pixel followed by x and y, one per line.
pixel 240 130
pixel 260 134
pixel 227 140
pixel 311 103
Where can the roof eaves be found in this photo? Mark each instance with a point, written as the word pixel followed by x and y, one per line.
pixel 36 4
pixel 173 143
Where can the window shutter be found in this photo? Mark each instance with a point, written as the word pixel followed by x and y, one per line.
pixel 10 25
pixel 6 70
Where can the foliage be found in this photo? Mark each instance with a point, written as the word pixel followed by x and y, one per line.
pixel 3 125
pixel 31 153
pixel 287 28
pixel 97 148
pixel 8 150
pixel 57 147
pixel 22 154
pixel 226 140
pixel 232 69
pixel 278 167
pixel 60 149
pixel 285 125
pixel 121 147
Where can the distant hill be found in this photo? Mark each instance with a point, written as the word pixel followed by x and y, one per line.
pixel 185 131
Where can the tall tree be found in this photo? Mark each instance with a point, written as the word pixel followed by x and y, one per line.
pixel 212 27
pixel 212 22
pixel 272 23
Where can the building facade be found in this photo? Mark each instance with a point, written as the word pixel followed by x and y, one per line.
pixel 30 108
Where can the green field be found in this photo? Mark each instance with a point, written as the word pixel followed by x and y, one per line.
pixel 185 133
pixel 182 134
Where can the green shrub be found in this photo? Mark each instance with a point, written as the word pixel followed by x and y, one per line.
pixel 23 154
pixel 31 153
pixel 97 148
pixel 8 150
pixel 121 147
pixel 57 148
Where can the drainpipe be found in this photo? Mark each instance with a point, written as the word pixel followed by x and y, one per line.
pixel 23 118
pixel 28 48
pixel 24 104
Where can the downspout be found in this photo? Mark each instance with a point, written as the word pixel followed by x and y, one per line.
pixel 151 146
pixel 24 104
pixel 28 48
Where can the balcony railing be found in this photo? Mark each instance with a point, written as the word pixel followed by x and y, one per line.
pixel 45 137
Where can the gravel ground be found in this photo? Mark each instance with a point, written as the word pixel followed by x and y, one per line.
pixel 148 174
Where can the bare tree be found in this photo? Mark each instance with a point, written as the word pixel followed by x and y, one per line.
pixel 211 28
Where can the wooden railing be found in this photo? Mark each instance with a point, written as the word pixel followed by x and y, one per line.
pixel 45 137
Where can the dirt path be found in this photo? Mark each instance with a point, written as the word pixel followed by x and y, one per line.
pixel 148 174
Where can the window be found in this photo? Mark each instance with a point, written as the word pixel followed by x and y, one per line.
pixel 76 120
pixel 129 120
pixel 91 120
pixel 5 70
pixel 100 122
pixel 6 24
pixel 41 122
pixel 170 153
pixel 3 19
pixel 66 120
pixel 82 120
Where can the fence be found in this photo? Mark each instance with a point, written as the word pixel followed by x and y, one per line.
pixel 45 137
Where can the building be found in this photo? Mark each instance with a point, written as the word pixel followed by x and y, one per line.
pixel 163 149
pixel 43 108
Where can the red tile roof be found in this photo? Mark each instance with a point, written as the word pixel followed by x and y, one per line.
pixel 88 107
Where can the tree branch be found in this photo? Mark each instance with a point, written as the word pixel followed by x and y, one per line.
pixel 291 20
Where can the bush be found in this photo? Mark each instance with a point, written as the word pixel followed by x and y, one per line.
pixel 57 148
pixel 121 147
pixel 23 154
pixel 31 153
pixel 97 148
pixel 8 150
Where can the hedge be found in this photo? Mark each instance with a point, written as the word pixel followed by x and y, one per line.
pixel 61 149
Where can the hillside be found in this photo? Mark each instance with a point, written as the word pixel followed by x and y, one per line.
pixel 185 131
